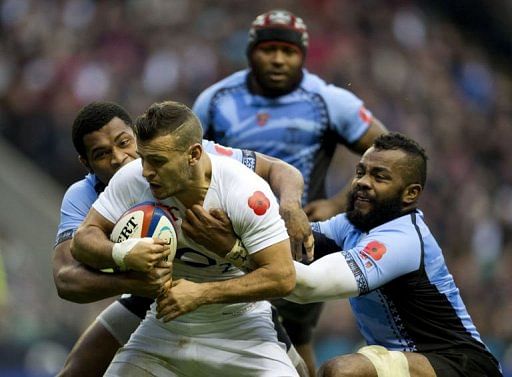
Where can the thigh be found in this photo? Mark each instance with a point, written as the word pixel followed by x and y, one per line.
pixel 161 351
pixel 299 320
pixel 92 353
pixel 132 363
pixel 123 316
pixel 463 363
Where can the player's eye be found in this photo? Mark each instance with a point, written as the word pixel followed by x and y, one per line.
pixel 100 155
pixel 125 142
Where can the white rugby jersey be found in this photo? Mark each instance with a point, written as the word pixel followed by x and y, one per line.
pixel 245 197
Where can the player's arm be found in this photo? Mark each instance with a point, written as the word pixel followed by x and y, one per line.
pixel 78 283
pixel 92 247
pixel 273 276
pixel 328 278
pixel 324 209
pixel 287 184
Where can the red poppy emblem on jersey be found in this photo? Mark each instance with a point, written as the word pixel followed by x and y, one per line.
pixel 375 250
pixel 259 203
pixel 364 115
pixel 262 118
pixel 223 151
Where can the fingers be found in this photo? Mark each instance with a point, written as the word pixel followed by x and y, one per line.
pixel 296 246
pixel 219 214
pixel 158 241
pixel 166 306
pixel 309 245
pixel 195 218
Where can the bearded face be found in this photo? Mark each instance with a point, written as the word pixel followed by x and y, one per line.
pixel 366 213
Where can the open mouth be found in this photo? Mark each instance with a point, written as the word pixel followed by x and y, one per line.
pixel 154 186
pixel 361 199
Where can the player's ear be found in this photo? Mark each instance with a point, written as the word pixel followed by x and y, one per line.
pixel 85 163
pixel 411 193
pixel 195 152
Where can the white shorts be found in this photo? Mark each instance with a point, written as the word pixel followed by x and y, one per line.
pixel 243 346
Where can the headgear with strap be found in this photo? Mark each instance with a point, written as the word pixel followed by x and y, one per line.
pixel 278 25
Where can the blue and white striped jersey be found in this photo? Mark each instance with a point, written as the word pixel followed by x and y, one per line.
pixel 408 300
pixel 301 128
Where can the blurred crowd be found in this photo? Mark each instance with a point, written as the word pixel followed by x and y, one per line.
pixel 416 71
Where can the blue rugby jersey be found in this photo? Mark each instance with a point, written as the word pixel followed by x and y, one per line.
pixel 301 128
pixel 408 300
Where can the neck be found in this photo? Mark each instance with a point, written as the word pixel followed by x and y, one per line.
pixel 198 184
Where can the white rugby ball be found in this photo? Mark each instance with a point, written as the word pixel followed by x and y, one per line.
pixel 147 219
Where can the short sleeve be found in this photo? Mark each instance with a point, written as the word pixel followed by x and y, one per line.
pixel 74 208
pixel 383 255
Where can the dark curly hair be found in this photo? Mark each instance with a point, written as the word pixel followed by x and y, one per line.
pixel 415 169
pixel 91 118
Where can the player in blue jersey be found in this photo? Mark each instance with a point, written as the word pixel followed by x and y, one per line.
pixel 382 256
pixel 104 141
pixel 404 299
pixel 279 108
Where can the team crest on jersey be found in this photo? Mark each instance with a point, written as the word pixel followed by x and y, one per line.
pixel 374 250
pixel 365 115
pixel 223 150
pixel 259 203
pixel 262 119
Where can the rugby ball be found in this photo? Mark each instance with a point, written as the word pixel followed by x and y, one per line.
pixel 147 219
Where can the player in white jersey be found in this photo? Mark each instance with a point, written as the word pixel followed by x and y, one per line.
pixel 104 141
pixel 218 307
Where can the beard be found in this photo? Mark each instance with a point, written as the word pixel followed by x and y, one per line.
pixel 381 212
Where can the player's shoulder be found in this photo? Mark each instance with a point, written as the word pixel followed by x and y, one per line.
pixel 225 166
pixel 406 230
pixel 129 175
pixel 232 177
pixel 314 83
pixel 84 188
pixel 133 168
pixel 234 80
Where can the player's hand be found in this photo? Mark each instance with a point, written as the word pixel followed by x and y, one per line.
pixel 146 254
pixel 299 230
pixel 152 283
pixel 180 297
pixel 322 209
pixel 212 230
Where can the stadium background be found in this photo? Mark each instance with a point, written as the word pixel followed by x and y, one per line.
pixel 436 70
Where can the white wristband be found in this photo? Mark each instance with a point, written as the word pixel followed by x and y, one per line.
pixel 121 250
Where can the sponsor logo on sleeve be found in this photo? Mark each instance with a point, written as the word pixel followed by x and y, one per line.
pixel 259 203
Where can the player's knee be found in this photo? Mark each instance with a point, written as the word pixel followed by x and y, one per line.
pixel 386 363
